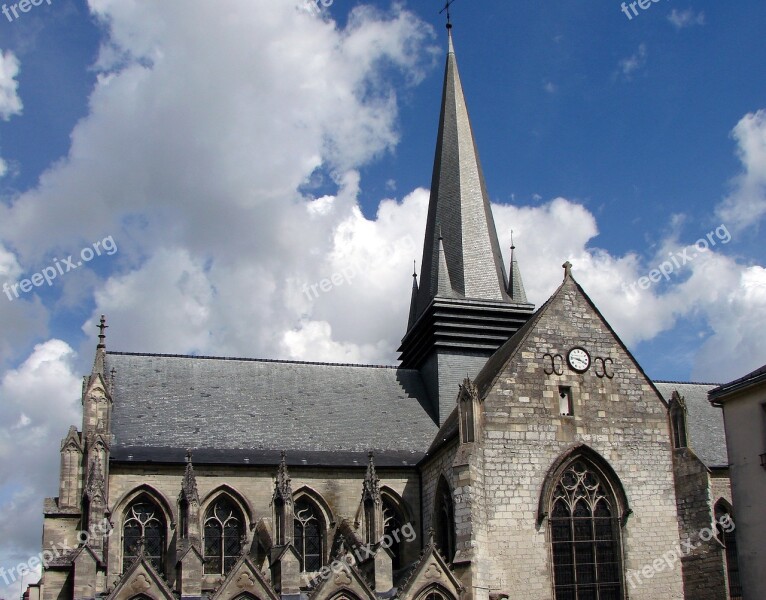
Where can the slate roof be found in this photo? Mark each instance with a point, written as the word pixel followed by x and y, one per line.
pixel 227 410
pixel 704 423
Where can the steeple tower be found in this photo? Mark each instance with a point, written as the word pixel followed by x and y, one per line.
pixel 465 306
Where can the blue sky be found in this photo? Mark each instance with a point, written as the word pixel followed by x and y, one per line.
pixel 237 153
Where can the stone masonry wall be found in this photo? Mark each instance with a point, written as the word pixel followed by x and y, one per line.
pixel 339 489
pixel 621 418
pixel 704 564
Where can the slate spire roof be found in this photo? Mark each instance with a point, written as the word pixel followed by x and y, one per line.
pixel 460 231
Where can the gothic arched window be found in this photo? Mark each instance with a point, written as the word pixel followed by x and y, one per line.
pixel 677 407
pixel 444 520
pixel 392 527
pixel 144 525
pixel 224 528
pixel 308 535
pixel 725 525
pixel 585 536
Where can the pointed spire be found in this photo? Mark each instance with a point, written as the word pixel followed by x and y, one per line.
pixel 189 484
pixel 459 209
pixel 515 284
pixel 371 489
pixel 414 297
pixel 282 488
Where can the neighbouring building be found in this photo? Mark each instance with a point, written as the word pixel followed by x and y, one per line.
pixel 744 410
pixel 515 452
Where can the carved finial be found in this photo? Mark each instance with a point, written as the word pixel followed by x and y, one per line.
pixel 189 484
pixel 282 488
pixel 567 269
pixel 371 481
pixel 101 335
pixel 431 536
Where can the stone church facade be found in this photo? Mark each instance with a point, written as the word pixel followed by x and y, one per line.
pixel 514 453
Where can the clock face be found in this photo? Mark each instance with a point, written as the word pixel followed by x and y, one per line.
pixel 578 359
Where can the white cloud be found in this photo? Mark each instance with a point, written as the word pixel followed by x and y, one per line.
pixel 10 103
pixel 629 66
pixel 686 18
pixel 38 402
pixel 746 204
pixel 196 158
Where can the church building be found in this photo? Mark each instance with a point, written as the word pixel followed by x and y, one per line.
pixel 517 452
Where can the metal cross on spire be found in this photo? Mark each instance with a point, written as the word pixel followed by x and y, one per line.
pixel 101 335
pixel 446 8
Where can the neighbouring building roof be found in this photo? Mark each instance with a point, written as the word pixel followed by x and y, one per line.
pixel 227 410
pixel 753 378
pixel 704 423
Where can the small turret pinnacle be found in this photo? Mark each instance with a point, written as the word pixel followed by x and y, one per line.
pixel 101 335
pixel 189 483
pixel 371 485
pixel 98 363
pixel 515 284
pixel 282 488
pixel 414 298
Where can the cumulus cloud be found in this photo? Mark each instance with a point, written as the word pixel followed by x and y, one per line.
pixel 199 159
pixel 10 103
pixel 38 401
pixel 746 205
pixel 686 18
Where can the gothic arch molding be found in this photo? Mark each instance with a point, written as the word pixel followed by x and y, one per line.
pixel 345 594
pixel 725 505
pixel 317 499
pixel 600 464
pixel 395 499
pixel 440 591
pixel 153 494
pixel 238 499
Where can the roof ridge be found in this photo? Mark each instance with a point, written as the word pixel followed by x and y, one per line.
pixel 685 382
pixel 245 359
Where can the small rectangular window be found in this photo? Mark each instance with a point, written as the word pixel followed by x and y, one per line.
pixel 566 408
